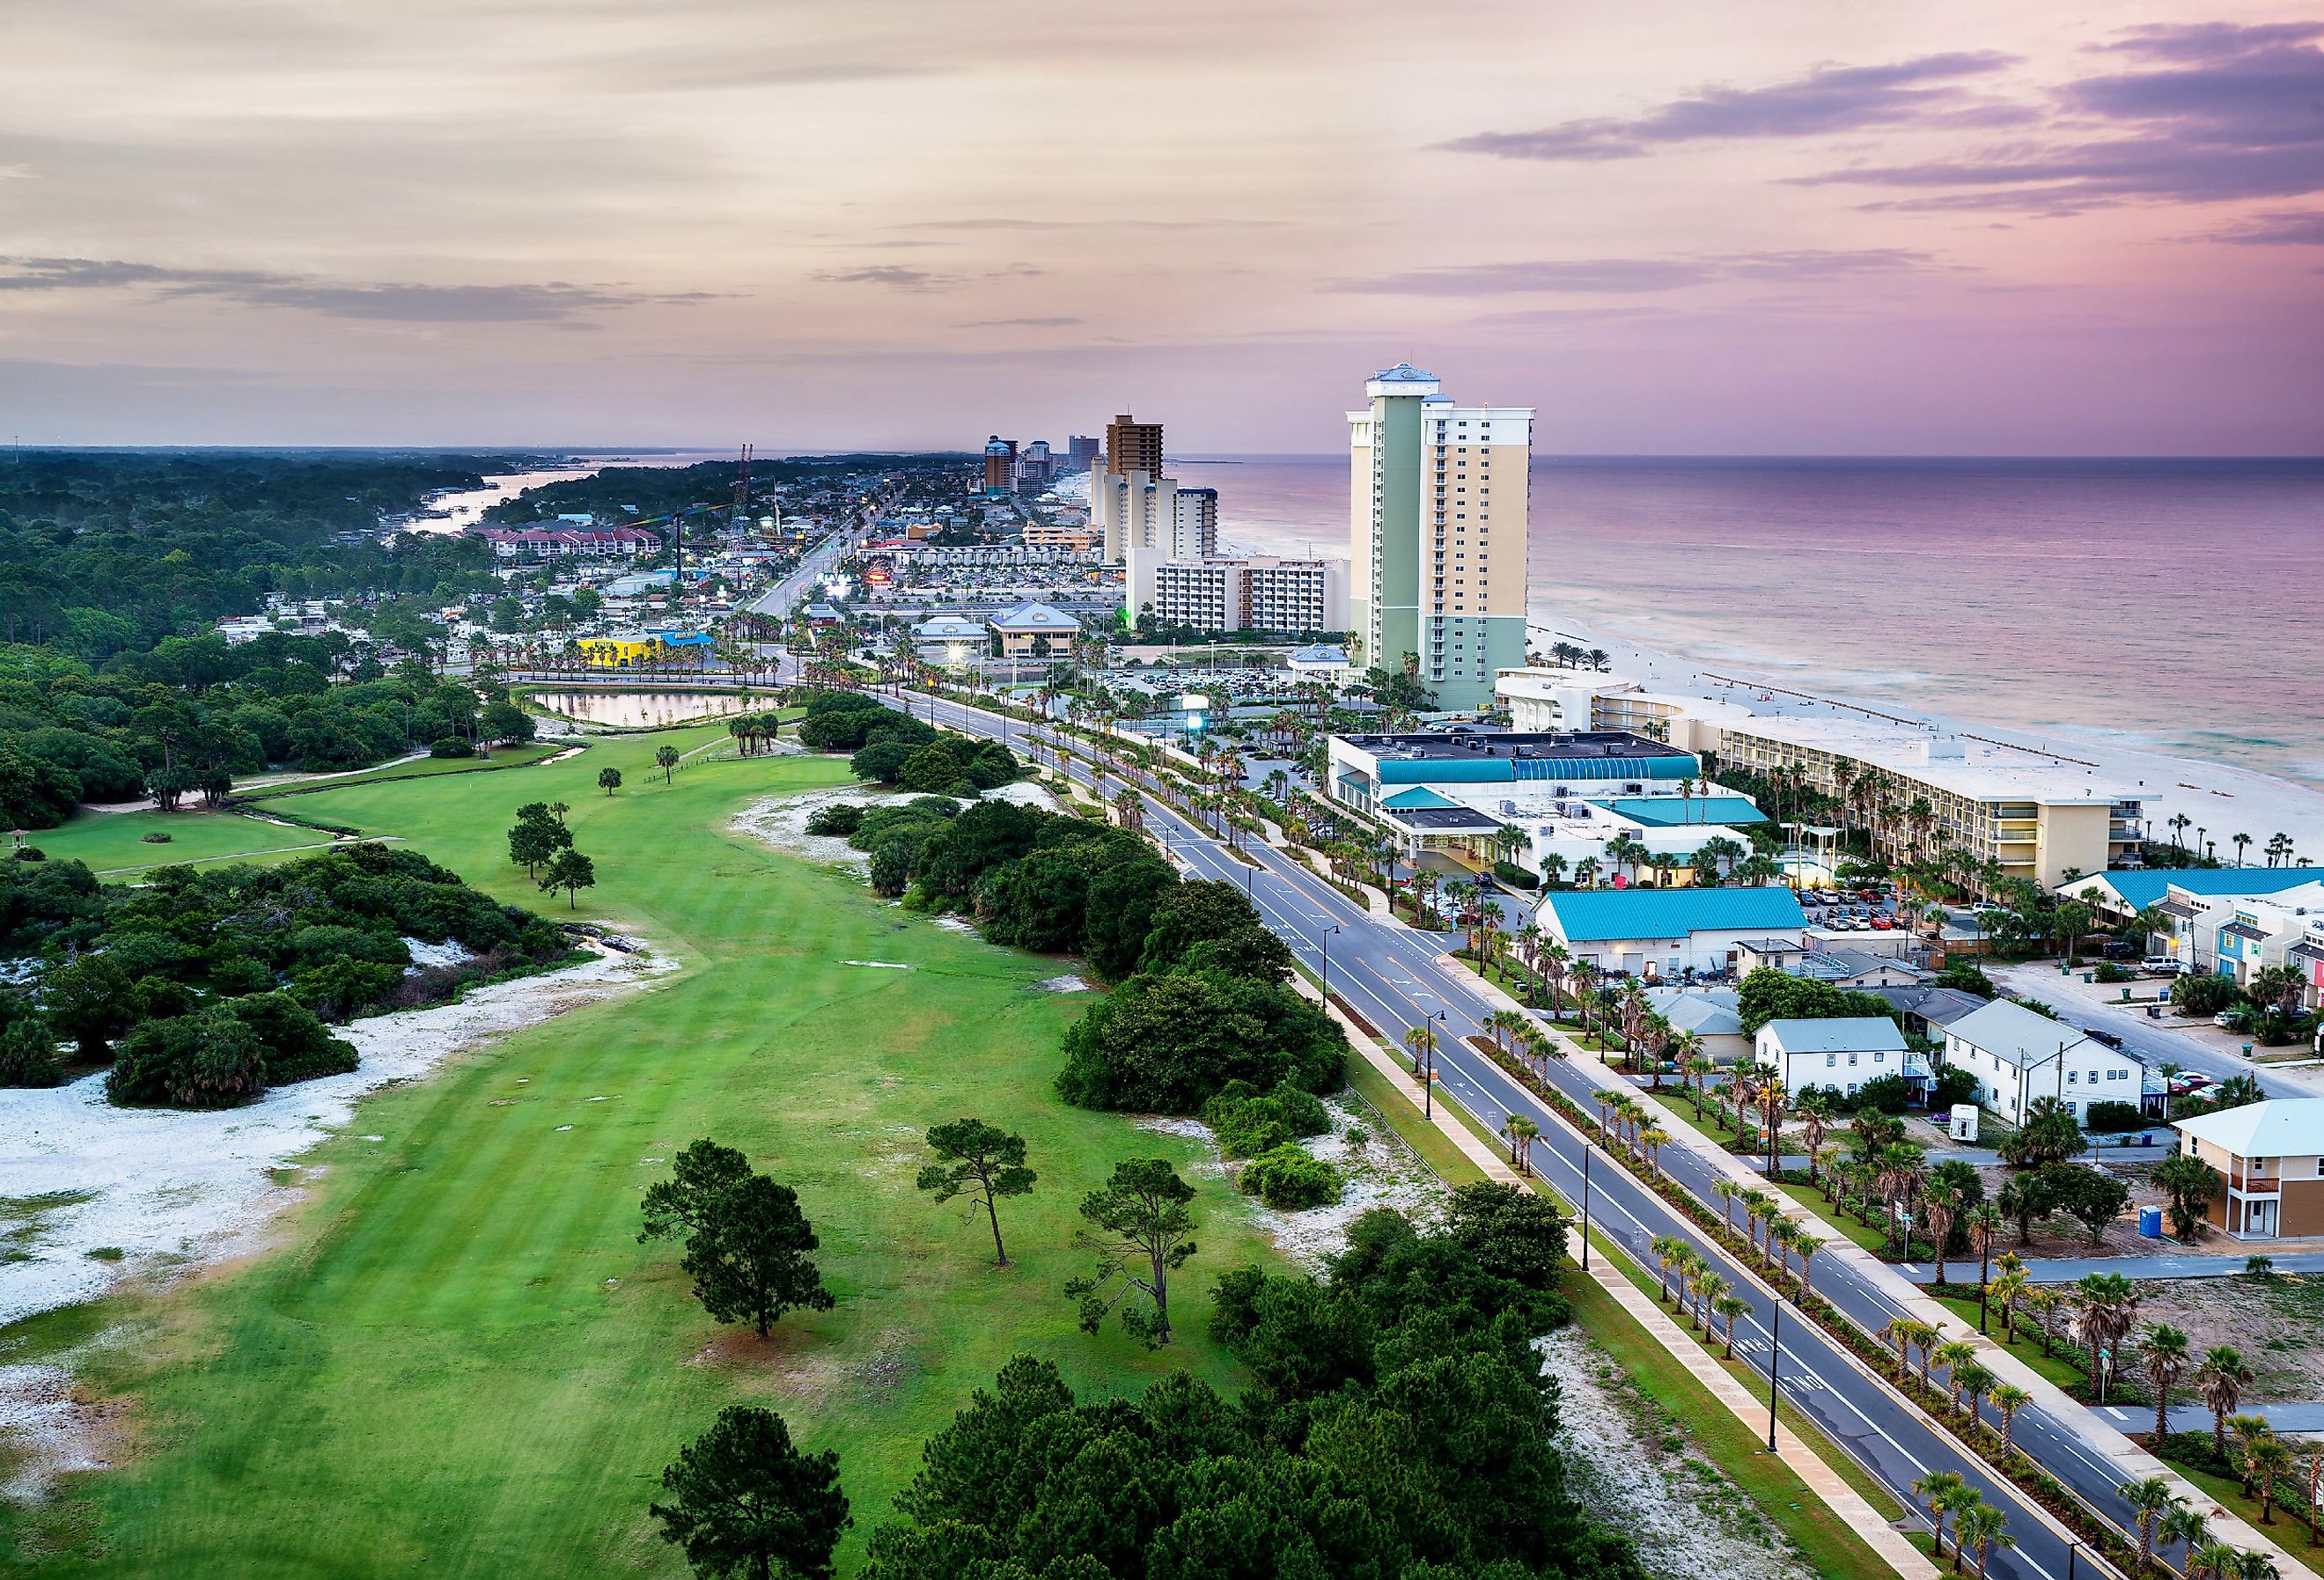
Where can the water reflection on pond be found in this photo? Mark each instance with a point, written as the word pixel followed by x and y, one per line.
pixel 633 710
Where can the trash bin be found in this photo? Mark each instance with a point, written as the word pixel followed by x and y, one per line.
pixel 2150 1223
pixel 2126 996
pixel 2087 976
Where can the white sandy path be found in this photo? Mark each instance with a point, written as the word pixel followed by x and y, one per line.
pixel 168 1187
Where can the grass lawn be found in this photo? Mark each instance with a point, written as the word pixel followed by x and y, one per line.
pixel 113 842
pixel 461 1363
pixel 2055 1366
pixel 425 768
pixel 2286 1532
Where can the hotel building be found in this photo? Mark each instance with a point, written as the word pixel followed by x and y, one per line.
pixel 1437 516
pixel 1291 596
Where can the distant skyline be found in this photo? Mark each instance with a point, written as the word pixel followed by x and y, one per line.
pixel 1689 228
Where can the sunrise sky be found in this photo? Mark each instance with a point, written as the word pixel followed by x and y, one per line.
pixel 1741 227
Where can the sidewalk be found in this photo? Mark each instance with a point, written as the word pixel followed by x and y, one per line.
pixel 1831 1488
pixel 2065 1270
pixel 2101 1437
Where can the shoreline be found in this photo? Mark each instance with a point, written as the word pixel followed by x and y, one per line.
pixel 2225 797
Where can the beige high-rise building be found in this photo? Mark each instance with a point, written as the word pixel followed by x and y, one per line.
pixel 1132 445
pixel 1437 512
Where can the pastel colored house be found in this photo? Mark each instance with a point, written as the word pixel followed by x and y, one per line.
pixel 2271 1162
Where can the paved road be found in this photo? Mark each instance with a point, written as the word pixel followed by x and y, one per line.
pixel 2194 1418
pixel 1392 978
pixel 2154 1042
pixel 2065 1270
pixel 779 599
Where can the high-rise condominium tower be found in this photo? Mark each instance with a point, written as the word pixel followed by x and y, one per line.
pixel 1437 512
pixel 1132 445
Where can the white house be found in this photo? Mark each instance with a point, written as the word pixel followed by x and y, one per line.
pixel 1658 933
pixel 2018 1056
pixel 1840 1051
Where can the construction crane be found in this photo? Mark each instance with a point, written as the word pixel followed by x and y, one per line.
pixel 743 490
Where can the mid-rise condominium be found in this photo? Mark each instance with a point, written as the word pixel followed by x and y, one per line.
pixel 1132 445
pixel 1437 512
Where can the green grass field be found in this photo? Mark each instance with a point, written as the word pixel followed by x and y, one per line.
pixel 530 752
pixel 459 1361
pixel 113 842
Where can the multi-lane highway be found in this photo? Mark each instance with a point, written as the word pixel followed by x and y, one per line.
pixel 1393 978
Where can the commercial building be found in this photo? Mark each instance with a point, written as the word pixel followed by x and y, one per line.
pixel 1132 445
pixel 1325 662
pixel 1559 699
pixel 2115 897
pixel 953 640
pixel 1662 933
pixel 2270 1157
pixel 1082 452
pixel 1035 630
pixel 644 649
pixel 2036 815
pixel 1437 516
pixel 1291 596
pixel 1839 1051
pixel 569 542
pixel 2018 1055
pixel 1043 535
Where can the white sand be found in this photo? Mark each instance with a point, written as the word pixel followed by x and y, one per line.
pixel 169 1189
pixel 2225 800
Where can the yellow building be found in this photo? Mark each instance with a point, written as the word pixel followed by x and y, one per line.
pixel 643 649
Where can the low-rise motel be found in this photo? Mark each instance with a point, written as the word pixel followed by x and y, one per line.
pixel 1527 798
pixel 2037 815
pixel 640 649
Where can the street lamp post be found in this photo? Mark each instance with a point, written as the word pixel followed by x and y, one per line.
pixel 1585 1204
pixel 1428 1085
pixel 1775 1366
pixel 1323 942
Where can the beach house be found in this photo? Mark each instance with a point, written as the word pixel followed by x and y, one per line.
pixel 1839 1051
pixel 2016 1056
pixel 2271 1162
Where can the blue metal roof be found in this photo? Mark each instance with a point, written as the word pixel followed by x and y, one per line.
pixel 1589 916
pixel 1556 769
pixel 1672 811
pixel 2141 887
pixel 1419 795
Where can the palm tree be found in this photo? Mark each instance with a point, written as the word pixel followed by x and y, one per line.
pixel 2109 1304
pixel 1521 1132
pixel 1952 1355
pixel 1727 1190
pixel 1665 1249
pixel 2008 1399
pixel 1925 1337
pixel 2240 842
pixel 666 759
pixel 2009 1289
pixel 1708 1288
pixel 1974 1381
pixel 2148 1499
pixel 2164 1358
pixel 1653 1138
pixel 1419 1041
pixel 1807 1245
pixel 2269 1460
pixel 1939 1489
pixel 2221 1379
pixel 1979 1528
pixel 1731 1307
pixel 1814 1112
pixel 1941 1206
pixel 1985 1225
pixel 2182 1526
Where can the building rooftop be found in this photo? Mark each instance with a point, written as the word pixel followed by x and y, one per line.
pixel 1939 1006
pixel 1471 744
pixel 1711 1014
pixel 2270 1129
pixel 1835 1034
pixel 1600 915
pixel 2140 887
pixel 1675 812
pixel 1447 819
pixel 948 627
pixel 1035 616
pixel 1980 770
pixel 2014 1034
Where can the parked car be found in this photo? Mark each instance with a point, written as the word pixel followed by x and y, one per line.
pixel 1987 908
pixel 2100 1034
pixel 2225 1019
pixel 2165 965
pixel 1883 924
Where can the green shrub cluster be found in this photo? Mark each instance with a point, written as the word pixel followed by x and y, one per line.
pixel 216 981
pixel 1249 1122
pixel 1400 1428
pixel 1290 1178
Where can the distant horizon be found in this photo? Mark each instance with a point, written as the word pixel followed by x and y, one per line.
pixel 1217 457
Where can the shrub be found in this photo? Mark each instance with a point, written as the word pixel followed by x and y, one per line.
pixel 1248 1122
pixel 841 818
pixel 1883 1094
pixel 1168 1044
pixel 2107 971
pixel 2113 1117
pixel 1514 876
pixel 1289 1178
pixel 155 838
pixel 31 853
pixel 294 1046
pixel 2202 995
pixel 451 746
pixel 209 1059
pixel 28 1056
pixel 1953 1085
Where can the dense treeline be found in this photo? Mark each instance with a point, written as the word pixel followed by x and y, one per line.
pixel 1400 1429
pixel 658 490
pixel 191 715
pixel 113 567
pixel 102 554
pixel 207 984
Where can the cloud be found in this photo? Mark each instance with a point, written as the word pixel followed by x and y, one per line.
pixel 894 276
pixel 554 301
pixel 1019 323
pixel 2219 113
pixel 1928 91
pixel 2295 229
pixel 1629 275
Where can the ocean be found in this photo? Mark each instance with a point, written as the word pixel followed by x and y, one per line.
pixel 2170 606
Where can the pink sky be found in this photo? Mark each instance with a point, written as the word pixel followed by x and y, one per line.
pixel 1980 227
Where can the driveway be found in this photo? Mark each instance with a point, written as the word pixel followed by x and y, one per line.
pixel 2154 1042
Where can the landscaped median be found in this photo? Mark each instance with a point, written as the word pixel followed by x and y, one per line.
pixel 1839 1520
pixel 1936 1403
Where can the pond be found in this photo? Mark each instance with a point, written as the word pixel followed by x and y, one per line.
pixel 640 710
